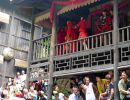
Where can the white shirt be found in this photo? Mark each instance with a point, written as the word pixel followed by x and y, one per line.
pixel 23 77
pixel 89 92
pixel 61 96
pixel 72 97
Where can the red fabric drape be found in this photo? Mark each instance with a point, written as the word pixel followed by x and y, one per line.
pixel 63 3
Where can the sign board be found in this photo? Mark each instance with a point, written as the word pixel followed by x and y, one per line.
pixel 21 63
pixel 4 17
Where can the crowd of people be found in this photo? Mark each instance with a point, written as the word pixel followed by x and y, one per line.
pixel 16 89
pixel 87 90
pixel 73 31
pixel 103 89
pixel 80 88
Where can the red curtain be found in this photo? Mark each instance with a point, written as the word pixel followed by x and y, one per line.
pixel 63 3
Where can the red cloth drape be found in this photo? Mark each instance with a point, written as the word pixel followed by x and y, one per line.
pixel 63 3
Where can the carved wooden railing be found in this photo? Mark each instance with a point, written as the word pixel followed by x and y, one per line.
pixel 75 57
pixel 91 42
pixel 41 48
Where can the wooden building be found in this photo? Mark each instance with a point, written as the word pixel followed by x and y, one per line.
pixel 15 29
pixel 106 51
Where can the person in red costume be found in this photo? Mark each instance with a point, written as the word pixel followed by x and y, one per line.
pixel 106 25
pixel 98 27
pixel 61 39
pixel 106 22
pixel 70 36
pixel 82 31
pixel 111 17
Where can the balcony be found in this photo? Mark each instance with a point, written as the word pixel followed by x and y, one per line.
pixel 73 57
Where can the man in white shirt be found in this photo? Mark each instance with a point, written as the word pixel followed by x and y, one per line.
pixel 23 76
pixel 75 94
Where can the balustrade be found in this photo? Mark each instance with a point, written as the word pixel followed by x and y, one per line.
pixel 86 54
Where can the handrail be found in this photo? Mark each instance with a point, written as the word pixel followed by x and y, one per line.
pixel 42 38
pixel 92 42
pixel 94 35
pixel 85 38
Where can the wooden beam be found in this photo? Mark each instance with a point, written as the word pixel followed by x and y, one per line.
pixel 52 54
pixel 30 53
pixel 116 55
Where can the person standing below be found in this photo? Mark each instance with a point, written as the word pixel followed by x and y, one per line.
pixel 23 76
pixel 109 92
pixel 101 84
pixel 122 86
pixel 89 89
pixel 75 94
pixel 32 94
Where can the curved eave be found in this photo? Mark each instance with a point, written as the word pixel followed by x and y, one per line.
pixel 42 17
pixel 45 16
pixel 76 6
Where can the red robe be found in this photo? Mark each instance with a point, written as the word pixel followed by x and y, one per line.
pixel 106 24
pixel 98 27
pixel 70 31
pixel 70 36
pixel 61 36
pixel 61 39
pixel 82 28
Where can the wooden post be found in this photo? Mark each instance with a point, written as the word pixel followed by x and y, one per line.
pixel 116 55
pixel 52 54
pixel 30 51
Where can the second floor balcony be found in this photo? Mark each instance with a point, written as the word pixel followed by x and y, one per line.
pixel 73 57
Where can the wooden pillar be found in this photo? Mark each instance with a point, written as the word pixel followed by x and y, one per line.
pixel 52 54
pixel 116 53
pixel 30 51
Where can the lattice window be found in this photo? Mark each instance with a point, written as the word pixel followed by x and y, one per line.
pixel 63 64
pixel 125 53
pixel 80 61
pixel 101 58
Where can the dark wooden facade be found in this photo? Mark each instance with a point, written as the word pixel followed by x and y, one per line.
pixel 15 35
pixel 100 56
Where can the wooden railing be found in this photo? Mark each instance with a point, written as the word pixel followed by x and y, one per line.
pixel 74 57
pixel 91 42
pixel 41 48
pixel 99 54
pixel 124 34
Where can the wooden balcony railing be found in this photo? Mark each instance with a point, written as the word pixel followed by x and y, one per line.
pixel 41 48
pixel 74 57
pixel 83 44
pixel 98 56
pixel 124 34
